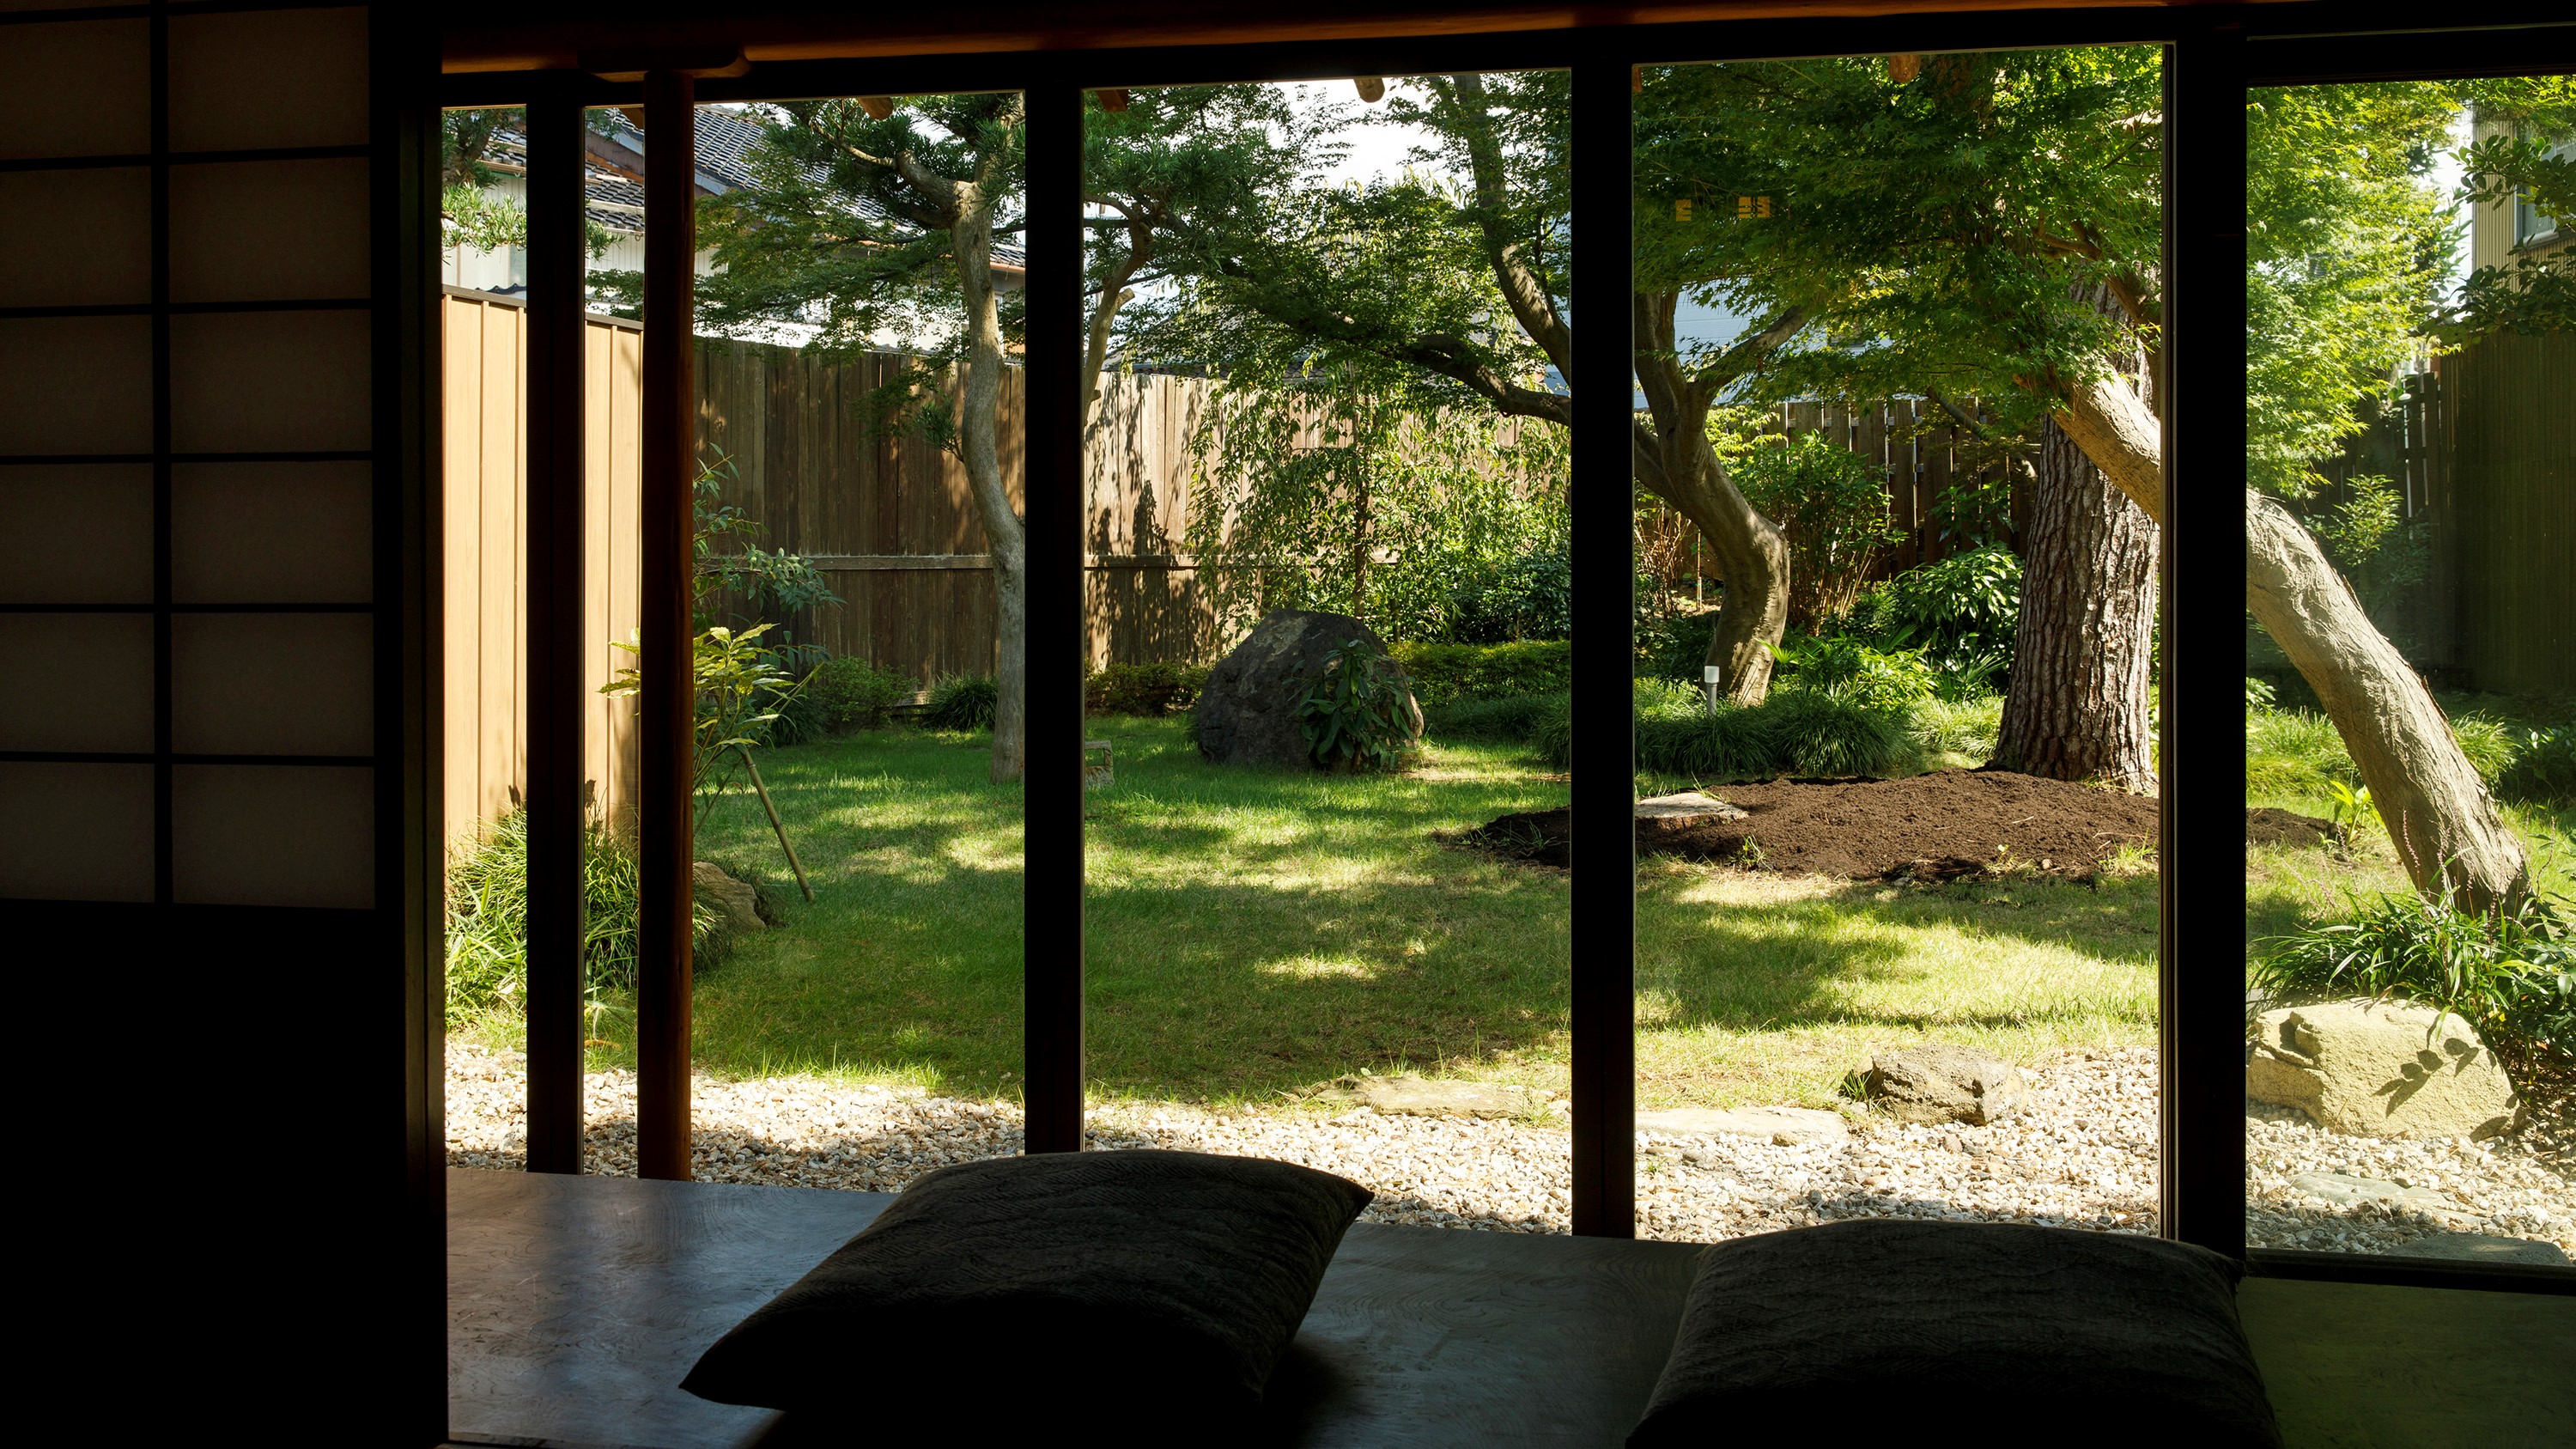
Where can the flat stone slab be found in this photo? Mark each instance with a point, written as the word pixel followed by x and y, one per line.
pixel 1407 1095
pixel 2344 1190
pixel 1785 1126
pixel 2482 1248
pixel 1688 805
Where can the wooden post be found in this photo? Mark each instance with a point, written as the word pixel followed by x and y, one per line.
pixel 1605 890
pixel 669 753
pixel 557 693
pixel 1051 948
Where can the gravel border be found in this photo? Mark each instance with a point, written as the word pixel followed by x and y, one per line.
pixel 2082 1155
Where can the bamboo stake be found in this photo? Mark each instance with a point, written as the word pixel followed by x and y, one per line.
pixel 774 823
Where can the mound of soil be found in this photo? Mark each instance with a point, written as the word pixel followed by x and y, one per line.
pixel 1940 826
pixel 2268 826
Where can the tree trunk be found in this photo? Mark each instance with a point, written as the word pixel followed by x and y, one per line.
pixel 2437 809
pixel 1673 461
pixel 978 419
pixel 2077 707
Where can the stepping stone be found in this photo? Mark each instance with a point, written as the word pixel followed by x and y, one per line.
pixel 1688 805
pixel 2482 1248
pixel 1783 1126
pixel 2345 1190
pixel 1411 1096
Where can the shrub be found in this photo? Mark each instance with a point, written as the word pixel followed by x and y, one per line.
pixel 1842 667
pixel 1668 699
pixel 1831 505
pixel 2512 976
pixel 962 702
pixel 1445 672
pixel 1359 711
pixel 1143 689
pixel 1961 612
pixel 2488 743
pixel 1724 746
pixel 2293 752
pixel 851 693
pixel 795 720
pixel 487 919
pixel 1514 718
pixel 2543 768
pixel 1527 596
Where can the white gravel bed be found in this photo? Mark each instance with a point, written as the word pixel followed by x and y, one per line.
pixel 2083 1155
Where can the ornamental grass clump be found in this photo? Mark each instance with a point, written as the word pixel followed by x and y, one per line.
pixel 962 702
pixel 487 920
pixel 2511 975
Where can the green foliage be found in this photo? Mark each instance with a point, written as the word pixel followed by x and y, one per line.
pixel 2543 768
pixel 487 920
pixel 1445 672
pixel 2294 752
pixel 739 685
pixel 1959 732
pixel 1841 667
pixel 1338 493
pixel 1794 732
pixel 1513 718
pixel 2258 694
pixel 850 692
pixel 2512 975
pixel 1143 689
pixel 1832 506
pixel 1553 737
pixel 773 582
pixel 1359 710
pixel 2489 743
pixel 962 702
pixel 1960 612
pixel 1527 596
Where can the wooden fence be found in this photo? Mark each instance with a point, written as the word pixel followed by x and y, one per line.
pixel 888 519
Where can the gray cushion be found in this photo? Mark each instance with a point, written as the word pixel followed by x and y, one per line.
pixel 991 1291
pixel 1892 1326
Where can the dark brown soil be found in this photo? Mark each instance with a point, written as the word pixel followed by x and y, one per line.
pixel 2268 826
pixel 1939 826
pixel 1930 827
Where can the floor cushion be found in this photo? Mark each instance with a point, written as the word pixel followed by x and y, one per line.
pixel 1997 1329
pixel 1005 1292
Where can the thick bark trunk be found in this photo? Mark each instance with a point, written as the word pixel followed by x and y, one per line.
pixel 2077 706
pixel 1675 463
pixel 979 417
pixel 2437 809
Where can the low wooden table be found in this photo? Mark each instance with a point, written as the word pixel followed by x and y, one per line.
pixel 576 1304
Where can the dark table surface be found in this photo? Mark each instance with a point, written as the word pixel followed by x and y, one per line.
pixel 576 1304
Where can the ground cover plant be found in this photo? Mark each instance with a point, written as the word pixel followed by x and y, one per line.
pixel 487 922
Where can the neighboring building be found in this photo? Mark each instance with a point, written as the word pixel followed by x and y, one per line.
pixel 2503 231
pixel 615 189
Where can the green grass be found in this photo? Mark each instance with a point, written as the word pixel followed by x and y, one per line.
pixel 1251 933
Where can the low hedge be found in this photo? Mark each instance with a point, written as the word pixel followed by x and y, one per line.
pixel 1143 689
pixel 1446 672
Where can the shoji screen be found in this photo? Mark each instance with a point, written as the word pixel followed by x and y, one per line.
pixel 186 459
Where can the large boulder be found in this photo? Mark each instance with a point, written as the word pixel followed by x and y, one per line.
pixel 1247 713
pixel 735 902
pixel 2380 1069
pixel 1932 1084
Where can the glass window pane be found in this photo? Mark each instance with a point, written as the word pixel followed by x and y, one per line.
pixel 1896 783
pixel 2410 657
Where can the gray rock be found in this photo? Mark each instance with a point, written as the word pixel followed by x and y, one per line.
pixel 734 901
pixel 2341 1189
pixel 1688 805
pixel 1782 1126
pixel 1247 713
pixel 2380 1069
pixel 2481 1248
pixel 1411 1096
pixel 1931 1084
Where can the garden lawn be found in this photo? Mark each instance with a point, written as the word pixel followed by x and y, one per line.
pixel 1254 933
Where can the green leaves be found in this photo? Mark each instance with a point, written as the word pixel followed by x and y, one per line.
pixel 1359 712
